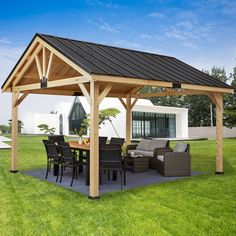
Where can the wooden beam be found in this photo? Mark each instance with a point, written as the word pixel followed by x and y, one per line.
pixel 25 66
pixel 170 92
pixel 219 133
pixel 128 119
pixel 94 141
pixel 207 88
pixel 22 97
pixel 64 58
pixel 133 103
pixel 53 92
pixel 85 92
pixel 14 147
pixel 49 65
pixel 54 83
pixel 127 80
pixel 44 62
pixel 39 67
pixel 123 103
pixel 135 90
pixel 104 92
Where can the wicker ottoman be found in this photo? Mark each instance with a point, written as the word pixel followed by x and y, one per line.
pixel 137 164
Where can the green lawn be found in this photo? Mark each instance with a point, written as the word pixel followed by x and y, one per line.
pixel 200 205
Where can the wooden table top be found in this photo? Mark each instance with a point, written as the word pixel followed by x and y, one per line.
pixel 76 145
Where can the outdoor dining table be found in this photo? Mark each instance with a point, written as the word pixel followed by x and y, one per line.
pixel 86 148
pixel 82 148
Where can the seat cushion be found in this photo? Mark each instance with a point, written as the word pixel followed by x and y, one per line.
pixel 136 152
pixel 160 157
pixel 146 153
pixel 157 143
pixel 143 145
pixel 180 147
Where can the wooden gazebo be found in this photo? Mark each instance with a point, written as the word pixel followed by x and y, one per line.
pixel 59 66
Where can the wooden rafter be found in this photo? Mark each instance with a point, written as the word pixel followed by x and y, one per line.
pixel 49 65
pixel 65 59
pixel 40 72
pixel 44 62
pixel 135 90
pixel 31 57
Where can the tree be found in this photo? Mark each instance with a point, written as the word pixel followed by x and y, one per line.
pixel 198 105
pixel 104 115
pixel 45 128
pixel 20 125
pixel 230 105
pixel 4 129
pixel 219 73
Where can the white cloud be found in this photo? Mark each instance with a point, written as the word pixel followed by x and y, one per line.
pixel 146 36
pixel 102 3
pixel 156 14
pixel 106 27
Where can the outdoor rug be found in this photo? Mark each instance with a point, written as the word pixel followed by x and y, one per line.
pixel 133 180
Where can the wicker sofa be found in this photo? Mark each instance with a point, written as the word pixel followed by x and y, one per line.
pixel 175 162
pixel 149 148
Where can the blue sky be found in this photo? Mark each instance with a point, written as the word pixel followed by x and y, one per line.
pixel 201 33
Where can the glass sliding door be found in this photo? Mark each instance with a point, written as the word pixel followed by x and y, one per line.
pixel 155 125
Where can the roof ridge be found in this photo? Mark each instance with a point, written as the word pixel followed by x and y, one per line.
pixel 104 45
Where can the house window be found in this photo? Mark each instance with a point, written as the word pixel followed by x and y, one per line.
pixel 156 125
pixel 76 116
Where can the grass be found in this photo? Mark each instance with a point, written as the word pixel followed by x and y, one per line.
pixel 200 205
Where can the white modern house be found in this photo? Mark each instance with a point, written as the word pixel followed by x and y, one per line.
pixel 148 120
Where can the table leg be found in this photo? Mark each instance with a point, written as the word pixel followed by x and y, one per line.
pixel 87 168
pixel 55 169
pixel 114 175
pixel 81 159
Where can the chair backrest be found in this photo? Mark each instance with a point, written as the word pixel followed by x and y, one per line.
pixel 56 138
pixel 117 141
pixel 182 147
pixel 102 140
pixel 51 149
pixel 109 153
pixel 66 151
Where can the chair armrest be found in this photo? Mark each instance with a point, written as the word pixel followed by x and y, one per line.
pixel 161 151
pixel 177 156
pixel 130 147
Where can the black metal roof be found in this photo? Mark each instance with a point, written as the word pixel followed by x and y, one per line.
pixel 109 60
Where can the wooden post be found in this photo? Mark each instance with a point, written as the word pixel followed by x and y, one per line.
pixel 128 119
pixel 94 141
pixel 219 133
pixel 14 153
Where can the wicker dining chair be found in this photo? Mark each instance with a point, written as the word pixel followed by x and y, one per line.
pixel 69 159
pixel 53 156
pixel 117 141
pixel 110 159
